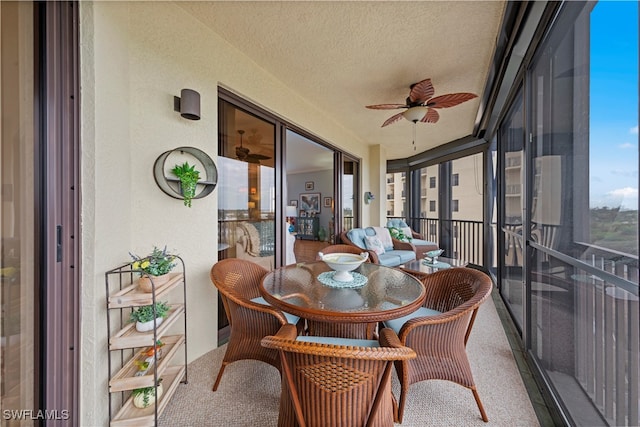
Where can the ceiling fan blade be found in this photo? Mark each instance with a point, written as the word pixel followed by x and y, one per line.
pixel 258 156
pixel 432 116
pixel 386 106
pixel 421 91
pixel 450 100
pixel 392 119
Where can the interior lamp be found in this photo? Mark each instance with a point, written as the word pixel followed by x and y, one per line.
pixel 290 213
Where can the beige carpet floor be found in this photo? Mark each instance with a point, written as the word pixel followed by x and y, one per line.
pixel 249 392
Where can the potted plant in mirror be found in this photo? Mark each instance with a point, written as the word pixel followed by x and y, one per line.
pixel 189 177
pixel 147 318
pixel 146 396
pixel 154 268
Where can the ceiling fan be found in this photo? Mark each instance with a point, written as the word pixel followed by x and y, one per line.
pixel 420 105
pixel 245 155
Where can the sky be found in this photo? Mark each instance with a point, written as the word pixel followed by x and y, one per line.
pixel 614 105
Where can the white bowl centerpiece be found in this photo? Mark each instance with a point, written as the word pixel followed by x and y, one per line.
pixel 342 263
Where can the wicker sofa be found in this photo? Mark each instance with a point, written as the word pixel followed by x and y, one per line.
pixel 417 239
pixel 395 254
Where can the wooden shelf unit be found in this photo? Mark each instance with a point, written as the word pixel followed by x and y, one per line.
pixel 130 416
pixel 126 345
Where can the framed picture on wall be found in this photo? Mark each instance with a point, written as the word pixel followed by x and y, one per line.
pixel 308 186
pixel 327 202
pixel 293 203
pixel 310 202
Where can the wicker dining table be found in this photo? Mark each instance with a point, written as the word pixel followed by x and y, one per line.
pixel 342 309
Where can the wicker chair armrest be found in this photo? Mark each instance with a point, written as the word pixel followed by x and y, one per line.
pixel 285 340
pixel 258 307
pixel 287 332
pixel 432 322
pixel 373 257
pixel 449 316
pixel 404 246
pixel 389 338
pixel 415 235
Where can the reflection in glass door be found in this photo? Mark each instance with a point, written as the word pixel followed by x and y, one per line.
pixel 17 220
pixel 512 138
pixel 350 206
pixel 310 188
pixel 246 192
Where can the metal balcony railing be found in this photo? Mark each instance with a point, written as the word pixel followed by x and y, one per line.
pixel 460 239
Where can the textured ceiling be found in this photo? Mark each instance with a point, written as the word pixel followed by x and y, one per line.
pixel 344 55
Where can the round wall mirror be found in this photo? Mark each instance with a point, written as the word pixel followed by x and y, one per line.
pixel 170 184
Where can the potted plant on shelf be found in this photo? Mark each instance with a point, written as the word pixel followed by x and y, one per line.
pixel 147 318
pixel 154 268
pixel 189 177
pixel 146 396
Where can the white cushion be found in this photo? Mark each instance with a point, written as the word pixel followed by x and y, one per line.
pixel 396 324
pixel 373 243
pixel 407 231
pixel 291 318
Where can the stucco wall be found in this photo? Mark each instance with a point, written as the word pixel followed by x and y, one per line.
pixel 134 58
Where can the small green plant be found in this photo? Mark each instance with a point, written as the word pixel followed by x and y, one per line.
pixel 146 313
pixel 189 177
pixel 397 233
pixel 157 263
pixel 146 392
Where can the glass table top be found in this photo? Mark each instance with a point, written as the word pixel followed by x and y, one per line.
pixel 425 265
pixel 377 293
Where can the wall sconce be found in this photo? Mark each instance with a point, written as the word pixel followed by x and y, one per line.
pixel 188 105
pixel 368 197
pixel 251 205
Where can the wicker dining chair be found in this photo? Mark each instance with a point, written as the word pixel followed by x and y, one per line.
pixel 250 317
pixel 438 332
pixel 331 382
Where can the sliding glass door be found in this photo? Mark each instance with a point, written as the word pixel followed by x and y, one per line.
pixel 39 220
pixel 271 174
pixel 512 163
pixel 18 376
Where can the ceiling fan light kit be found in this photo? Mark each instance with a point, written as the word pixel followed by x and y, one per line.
pixel 415 114
pixel 421 105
